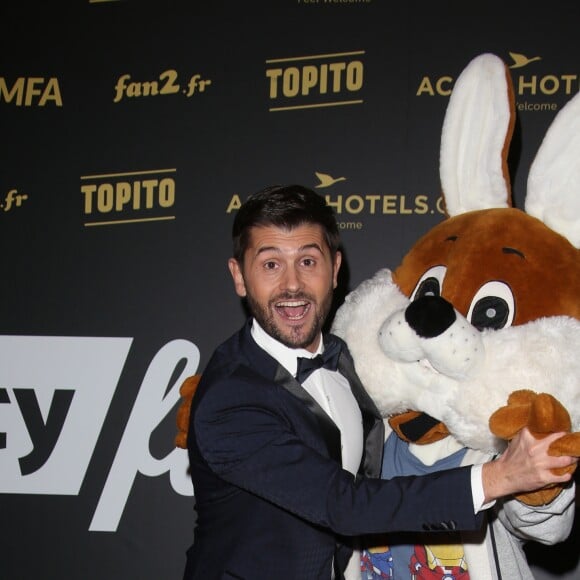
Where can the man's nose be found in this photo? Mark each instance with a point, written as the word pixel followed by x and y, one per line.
pixel 292 281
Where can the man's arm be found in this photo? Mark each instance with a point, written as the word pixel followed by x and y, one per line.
pixel 525 466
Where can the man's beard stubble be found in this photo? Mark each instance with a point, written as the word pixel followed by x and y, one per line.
pixel 265 318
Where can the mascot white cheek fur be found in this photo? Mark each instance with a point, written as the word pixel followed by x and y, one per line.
pixel 483 306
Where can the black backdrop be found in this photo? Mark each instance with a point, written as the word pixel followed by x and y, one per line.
pixel 130 131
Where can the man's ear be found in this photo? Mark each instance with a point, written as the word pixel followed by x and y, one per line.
pixel 336 268
pixel 236 272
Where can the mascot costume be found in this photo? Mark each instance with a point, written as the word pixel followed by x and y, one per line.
pixel 475 335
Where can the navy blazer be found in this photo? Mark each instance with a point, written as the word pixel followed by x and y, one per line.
pixel 272 499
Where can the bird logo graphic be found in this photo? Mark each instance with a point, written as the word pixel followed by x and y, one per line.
pixel 521 60
pixel 327 180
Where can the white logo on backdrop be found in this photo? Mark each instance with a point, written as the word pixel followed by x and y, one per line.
pixel 54 395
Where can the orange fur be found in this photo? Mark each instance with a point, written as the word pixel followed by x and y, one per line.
pixel 187 390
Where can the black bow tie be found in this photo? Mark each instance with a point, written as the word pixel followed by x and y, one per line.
pixel 328 359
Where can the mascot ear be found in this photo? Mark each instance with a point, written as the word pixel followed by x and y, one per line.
pixel 187 390
pixel 475 138
pixel 553 189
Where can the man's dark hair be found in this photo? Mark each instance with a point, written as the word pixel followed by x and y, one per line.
pixel 285 207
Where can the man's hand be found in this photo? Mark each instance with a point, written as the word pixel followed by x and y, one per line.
pixel 524 466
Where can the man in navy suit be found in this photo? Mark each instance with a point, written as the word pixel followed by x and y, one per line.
pixel 284 443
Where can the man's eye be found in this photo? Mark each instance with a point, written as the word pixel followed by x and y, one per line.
pixel 308 262
pixel 269 265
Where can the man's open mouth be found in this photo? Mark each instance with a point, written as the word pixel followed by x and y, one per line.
pixel 293 309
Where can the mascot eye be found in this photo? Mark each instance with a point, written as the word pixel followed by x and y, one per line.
pixel 430 283
pixel 492 307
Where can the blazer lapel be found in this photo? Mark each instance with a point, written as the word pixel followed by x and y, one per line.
pixel 373 426
pixel 328 429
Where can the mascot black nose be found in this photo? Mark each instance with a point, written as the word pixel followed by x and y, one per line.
pixel 430 316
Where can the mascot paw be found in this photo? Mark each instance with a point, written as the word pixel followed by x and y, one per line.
pixel 186 391
pixel 543 414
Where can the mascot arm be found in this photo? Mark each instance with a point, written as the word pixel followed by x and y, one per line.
pixel 546 524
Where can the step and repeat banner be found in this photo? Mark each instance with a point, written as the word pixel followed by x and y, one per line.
pixel 131 131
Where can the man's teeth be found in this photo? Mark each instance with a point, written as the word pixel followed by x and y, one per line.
pixel 293 309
